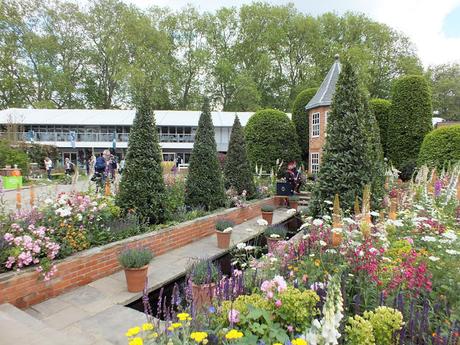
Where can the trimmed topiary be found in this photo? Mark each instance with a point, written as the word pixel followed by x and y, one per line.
pixel 381 110
pixel 142 187
pixel 237 170
pixel 350 160
pixel 441 147
pixel 204 185
pixel 409 121
pixel 300 120
pixel 271 135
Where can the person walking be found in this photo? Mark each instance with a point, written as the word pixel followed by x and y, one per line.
pixel 48 167
pixel 69 166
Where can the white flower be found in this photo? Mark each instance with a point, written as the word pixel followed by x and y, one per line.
pixel 63 212
pixel 384 258
pixel 262 222
pixel 317 222
pixel 361 253
pixel 349 220
pixel 48 201
pixel 275 236
pixel 306 236
pixel 229 229
pixel 291 211
pixel 433 258
pixel 241 245
pixel 374 213
pixel 428 239
pixel 326 217
pixel 322 243
pixel 331 251
pixel 249 248
pixel 79 217
pixel 328 202
pixel 450 235
pixel 273 260
pixel 337 230
pixel 452 252
pixel 304 225
pixel 372 250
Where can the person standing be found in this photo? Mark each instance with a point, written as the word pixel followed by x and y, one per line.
pixel 92 162
pixel 69 166
pixel 48 167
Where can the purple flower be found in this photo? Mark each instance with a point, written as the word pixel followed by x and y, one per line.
pixel 437 188
pixel 233 316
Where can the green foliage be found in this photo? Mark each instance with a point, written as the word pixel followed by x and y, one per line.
pixel 135 257
pixel 300 119
pixel 142 188
pixel 204 186
pixel 359 331
pixel 267 208
pixel 441 147
pixel 237 170
pixel 204 271
pixel 409 121
pixel 11 155
pixel 223 224
pixel 298 308
pixel 174 199
pixel 277 229
pixel 385 322
pixel 381 110
pixel 352 154
pixel 445 85
pixel 241 304
pixel 271 135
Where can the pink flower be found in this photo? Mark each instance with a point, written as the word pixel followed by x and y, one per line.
pixel 278 303
pixel 270 294
pixel 233 316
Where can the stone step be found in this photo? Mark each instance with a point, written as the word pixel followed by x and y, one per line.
pixel 18 327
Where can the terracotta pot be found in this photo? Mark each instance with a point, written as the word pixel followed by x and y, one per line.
pixel 223 239
pixel 268 216
pixel 336 239
pixel 202 294
pixel 135 278
pixel 293 204
pixel 272 244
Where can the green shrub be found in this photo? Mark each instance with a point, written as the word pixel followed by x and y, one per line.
pixel 10 156
pixel 298 308
pixel 381 110
pixel 223 224
pixel 301 121
pixel 142 186
pixel 385 322
pixel 135 257
pixel 359 331
pixel 204 271
pixel 409 121
pixel 267 208
pixel 38 152
pixel 278 230
pixel 174 199
pixel 271 135
pixel 204 186
pixel 241 304
pixel 237 170
pixel 441 147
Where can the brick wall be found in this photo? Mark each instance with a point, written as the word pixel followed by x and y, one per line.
pixel 25 288
pixel 316 143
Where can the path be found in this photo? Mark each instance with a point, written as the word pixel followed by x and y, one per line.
pixel 95 314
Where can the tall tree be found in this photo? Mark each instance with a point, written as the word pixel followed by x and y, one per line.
pixel 346 164
pixel 142 187
pixel 445 86
pixel 237 170
pixel 204 186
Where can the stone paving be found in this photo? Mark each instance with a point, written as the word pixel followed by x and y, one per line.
pixel 95 314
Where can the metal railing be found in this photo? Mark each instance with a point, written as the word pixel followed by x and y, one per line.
pixel 89 137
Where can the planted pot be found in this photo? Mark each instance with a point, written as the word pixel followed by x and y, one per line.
pixel 135 278
pixel 268 216
pixel 202 294
pixel 293 204
pixel 223 239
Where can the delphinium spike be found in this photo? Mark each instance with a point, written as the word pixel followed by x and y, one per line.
pixel 159 303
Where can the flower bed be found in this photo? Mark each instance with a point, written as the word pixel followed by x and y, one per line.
pixel 32 285
pixel 364 279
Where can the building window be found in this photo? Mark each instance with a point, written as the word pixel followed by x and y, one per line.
pixel 314 162
pixel 315 125
pixel 326 116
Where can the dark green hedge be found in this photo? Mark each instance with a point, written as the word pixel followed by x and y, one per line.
pixel 11 155
pixel 441 147
pixel 409 121
pixel 300 119
pixel 381 110
pixel 271 135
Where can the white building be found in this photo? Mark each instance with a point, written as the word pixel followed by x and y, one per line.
pixel 77 133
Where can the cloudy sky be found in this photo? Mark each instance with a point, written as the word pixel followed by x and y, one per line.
pixel 433 25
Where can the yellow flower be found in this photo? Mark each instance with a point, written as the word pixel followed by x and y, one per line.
pixel 183 316
pixel 176 325
pixel 277 344
pixel 233 334
pixel 153 335
pixel 299 341
pixel 317 262
pixel 147 326
pixel 170 328
pixel 199 337
pixel 136 341
pixel 132 331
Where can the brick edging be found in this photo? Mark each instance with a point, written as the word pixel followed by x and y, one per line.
pixel 25 288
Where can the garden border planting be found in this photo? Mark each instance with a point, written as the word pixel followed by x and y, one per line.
pixel 26 288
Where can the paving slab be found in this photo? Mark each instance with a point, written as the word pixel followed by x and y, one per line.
pixel 65 317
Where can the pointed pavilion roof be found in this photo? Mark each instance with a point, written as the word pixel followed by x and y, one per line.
pixel 323 96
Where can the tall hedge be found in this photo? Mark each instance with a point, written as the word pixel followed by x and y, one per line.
pixel 300 119
pixel 381 110
pixel 271 135
pixel 142 186
pixel 441 147
pixel 237 170
pixel 409 121
pixel 350 160
pixel 204 186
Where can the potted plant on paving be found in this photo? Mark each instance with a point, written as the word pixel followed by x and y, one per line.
pixel 135 263
pixel 294 201
pixel 267 213
pixel 274 234
pixel 224 229
pixel 203 276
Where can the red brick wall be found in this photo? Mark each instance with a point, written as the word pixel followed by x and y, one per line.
pixel 24 289
pixel 316 144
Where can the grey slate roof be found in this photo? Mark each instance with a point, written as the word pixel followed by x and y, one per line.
pixel 323 96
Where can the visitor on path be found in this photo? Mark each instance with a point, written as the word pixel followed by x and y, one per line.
pixel 87 163
pixel 48 167
pixel 69 167
pixel 121 166
pixel 293 177
pixel 92 162
pixel 113 167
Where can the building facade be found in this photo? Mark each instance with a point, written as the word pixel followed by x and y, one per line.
pixel 79 133
pixel 318 109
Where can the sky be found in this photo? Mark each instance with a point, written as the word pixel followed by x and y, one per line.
pixel 432 25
